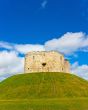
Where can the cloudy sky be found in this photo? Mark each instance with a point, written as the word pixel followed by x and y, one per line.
pixel 43 25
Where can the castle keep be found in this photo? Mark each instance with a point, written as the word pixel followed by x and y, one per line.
pixel 46 62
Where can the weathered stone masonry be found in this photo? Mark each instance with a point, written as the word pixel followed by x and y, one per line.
pixel 46 62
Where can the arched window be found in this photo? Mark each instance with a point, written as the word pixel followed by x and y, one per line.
pixel 33 57
pixel 60 57
pixel 44 54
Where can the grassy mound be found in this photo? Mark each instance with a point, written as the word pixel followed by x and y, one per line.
pixel 43 85
pixel 46 104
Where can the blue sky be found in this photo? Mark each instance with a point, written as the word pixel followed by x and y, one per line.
pixel 26 21
pixel 44 25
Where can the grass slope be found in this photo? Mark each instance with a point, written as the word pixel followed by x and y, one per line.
pixel 45 104
pixel 43 85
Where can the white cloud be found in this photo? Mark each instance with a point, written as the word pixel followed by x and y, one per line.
pixel 24 48
pixel 80 70
pixel 5 45
pixel 10 63
pixel 44 3
pixel 68 43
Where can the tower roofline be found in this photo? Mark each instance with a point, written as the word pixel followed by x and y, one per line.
pixel 44 51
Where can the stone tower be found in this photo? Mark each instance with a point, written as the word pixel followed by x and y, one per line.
pixel 46 62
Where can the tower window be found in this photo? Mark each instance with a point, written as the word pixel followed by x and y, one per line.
pixel 43 64
pixel 44 54
pixel 60 57
pixel 33 57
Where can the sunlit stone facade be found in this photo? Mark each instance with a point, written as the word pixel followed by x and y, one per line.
pixel 43 61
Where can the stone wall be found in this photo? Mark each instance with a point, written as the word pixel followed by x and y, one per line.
pixel 45 62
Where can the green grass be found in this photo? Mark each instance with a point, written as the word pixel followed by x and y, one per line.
pixel 43 85
pixel 45 104
pixel 44 91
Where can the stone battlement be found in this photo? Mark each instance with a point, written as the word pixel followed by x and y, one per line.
pixel 42 61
